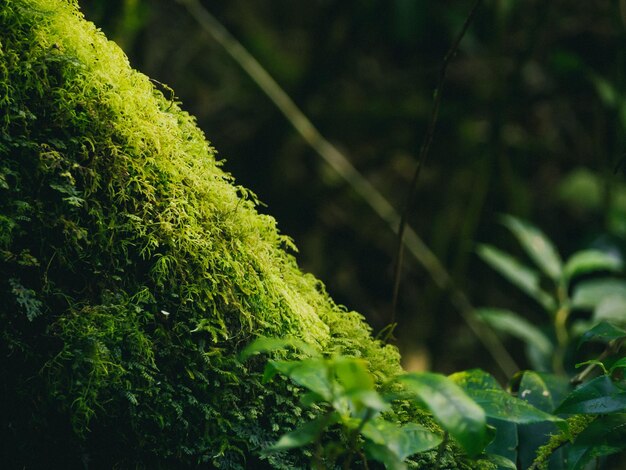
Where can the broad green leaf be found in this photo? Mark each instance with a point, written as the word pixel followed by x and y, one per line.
pixel 265 345
pixel 403 440
pixel 522 276
pixel 312 374
pixel 598 396
pixel 353 374
pixel 305 434
pixel 475 379
pixel 604 436
pixel 611 309
pixel 588 261
pixel 365 401
pixel 497 403
pixel 511 323
pixel 533 389
pixel 452 408
pixel 603 332
pixel 506 441
pixel 589 294
pixel 537 245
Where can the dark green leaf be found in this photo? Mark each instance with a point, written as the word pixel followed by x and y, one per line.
pixel 603 332
pixel 534 390
pixel 604 436
pixel 537 245
pixel 452 408
pixel 522 276
pixel 598 396
pixel 587 261
pixel 305 434
pixel 505 442
pixel 312 374
pixel 497 403
pixel 511 323
pixel 402 441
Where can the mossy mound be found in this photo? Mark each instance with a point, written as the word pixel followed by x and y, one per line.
pixel 133 270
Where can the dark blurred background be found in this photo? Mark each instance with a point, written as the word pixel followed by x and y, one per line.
pixel 531 124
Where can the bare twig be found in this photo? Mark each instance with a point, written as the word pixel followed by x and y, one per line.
pixel 336 160
pixel 423 157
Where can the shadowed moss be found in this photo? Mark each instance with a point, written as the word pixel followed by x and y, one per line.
pixel 133 269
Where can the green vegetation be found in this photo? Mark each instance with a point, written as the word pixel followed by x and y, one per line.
pixel 133 269
pixel 544 421
pixel 153 318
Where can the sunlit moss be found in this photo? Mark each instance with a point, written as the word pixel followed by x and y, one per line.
pixel 133 269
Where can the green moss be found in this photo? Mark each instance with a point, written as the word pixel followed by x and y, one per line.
pixel 114 209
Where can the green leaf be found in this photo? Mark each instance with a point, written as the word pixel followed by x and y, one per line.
pixel 266 345
pixel 497 403
pixel 604 436
pixel 602 332
pixel 363 401
pixel 312 374
pixel 452 408
pixel 521 276
pixel 305 434
pixel 475 379
pixel 353 374
pixel 588 261
pixel 534 390
pixel 598 396
pixel 506 441
pixel 589 294
pixel 511 323
pixel 537 245
pixel 402 441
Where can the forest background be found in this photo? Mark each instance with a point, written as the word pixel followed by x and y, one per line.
pixel 531 124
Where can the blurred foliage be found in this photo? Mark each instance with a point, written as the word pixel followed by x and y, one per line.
pixel 531 124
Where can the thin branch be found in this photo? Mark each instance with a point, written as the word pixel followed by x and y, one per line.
pixel 423 157
pixel 336 160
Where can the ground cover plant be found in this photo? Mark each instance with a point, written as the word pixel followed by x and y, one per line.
pixel 141 292
pixel 133 269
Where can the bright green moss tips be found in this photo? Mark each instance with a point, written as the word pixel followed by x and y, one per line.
pixel 114 210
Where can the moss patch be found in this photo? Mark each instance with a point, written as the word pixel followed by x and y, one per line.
pixel 133 269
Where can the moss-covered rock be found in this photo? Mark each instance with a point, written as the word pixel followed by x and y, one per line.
pixel 133 269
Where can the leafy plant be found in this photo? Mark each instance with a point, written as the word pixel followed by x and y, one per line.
pixel 592 405
pixel 559 287
pixel 343 393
